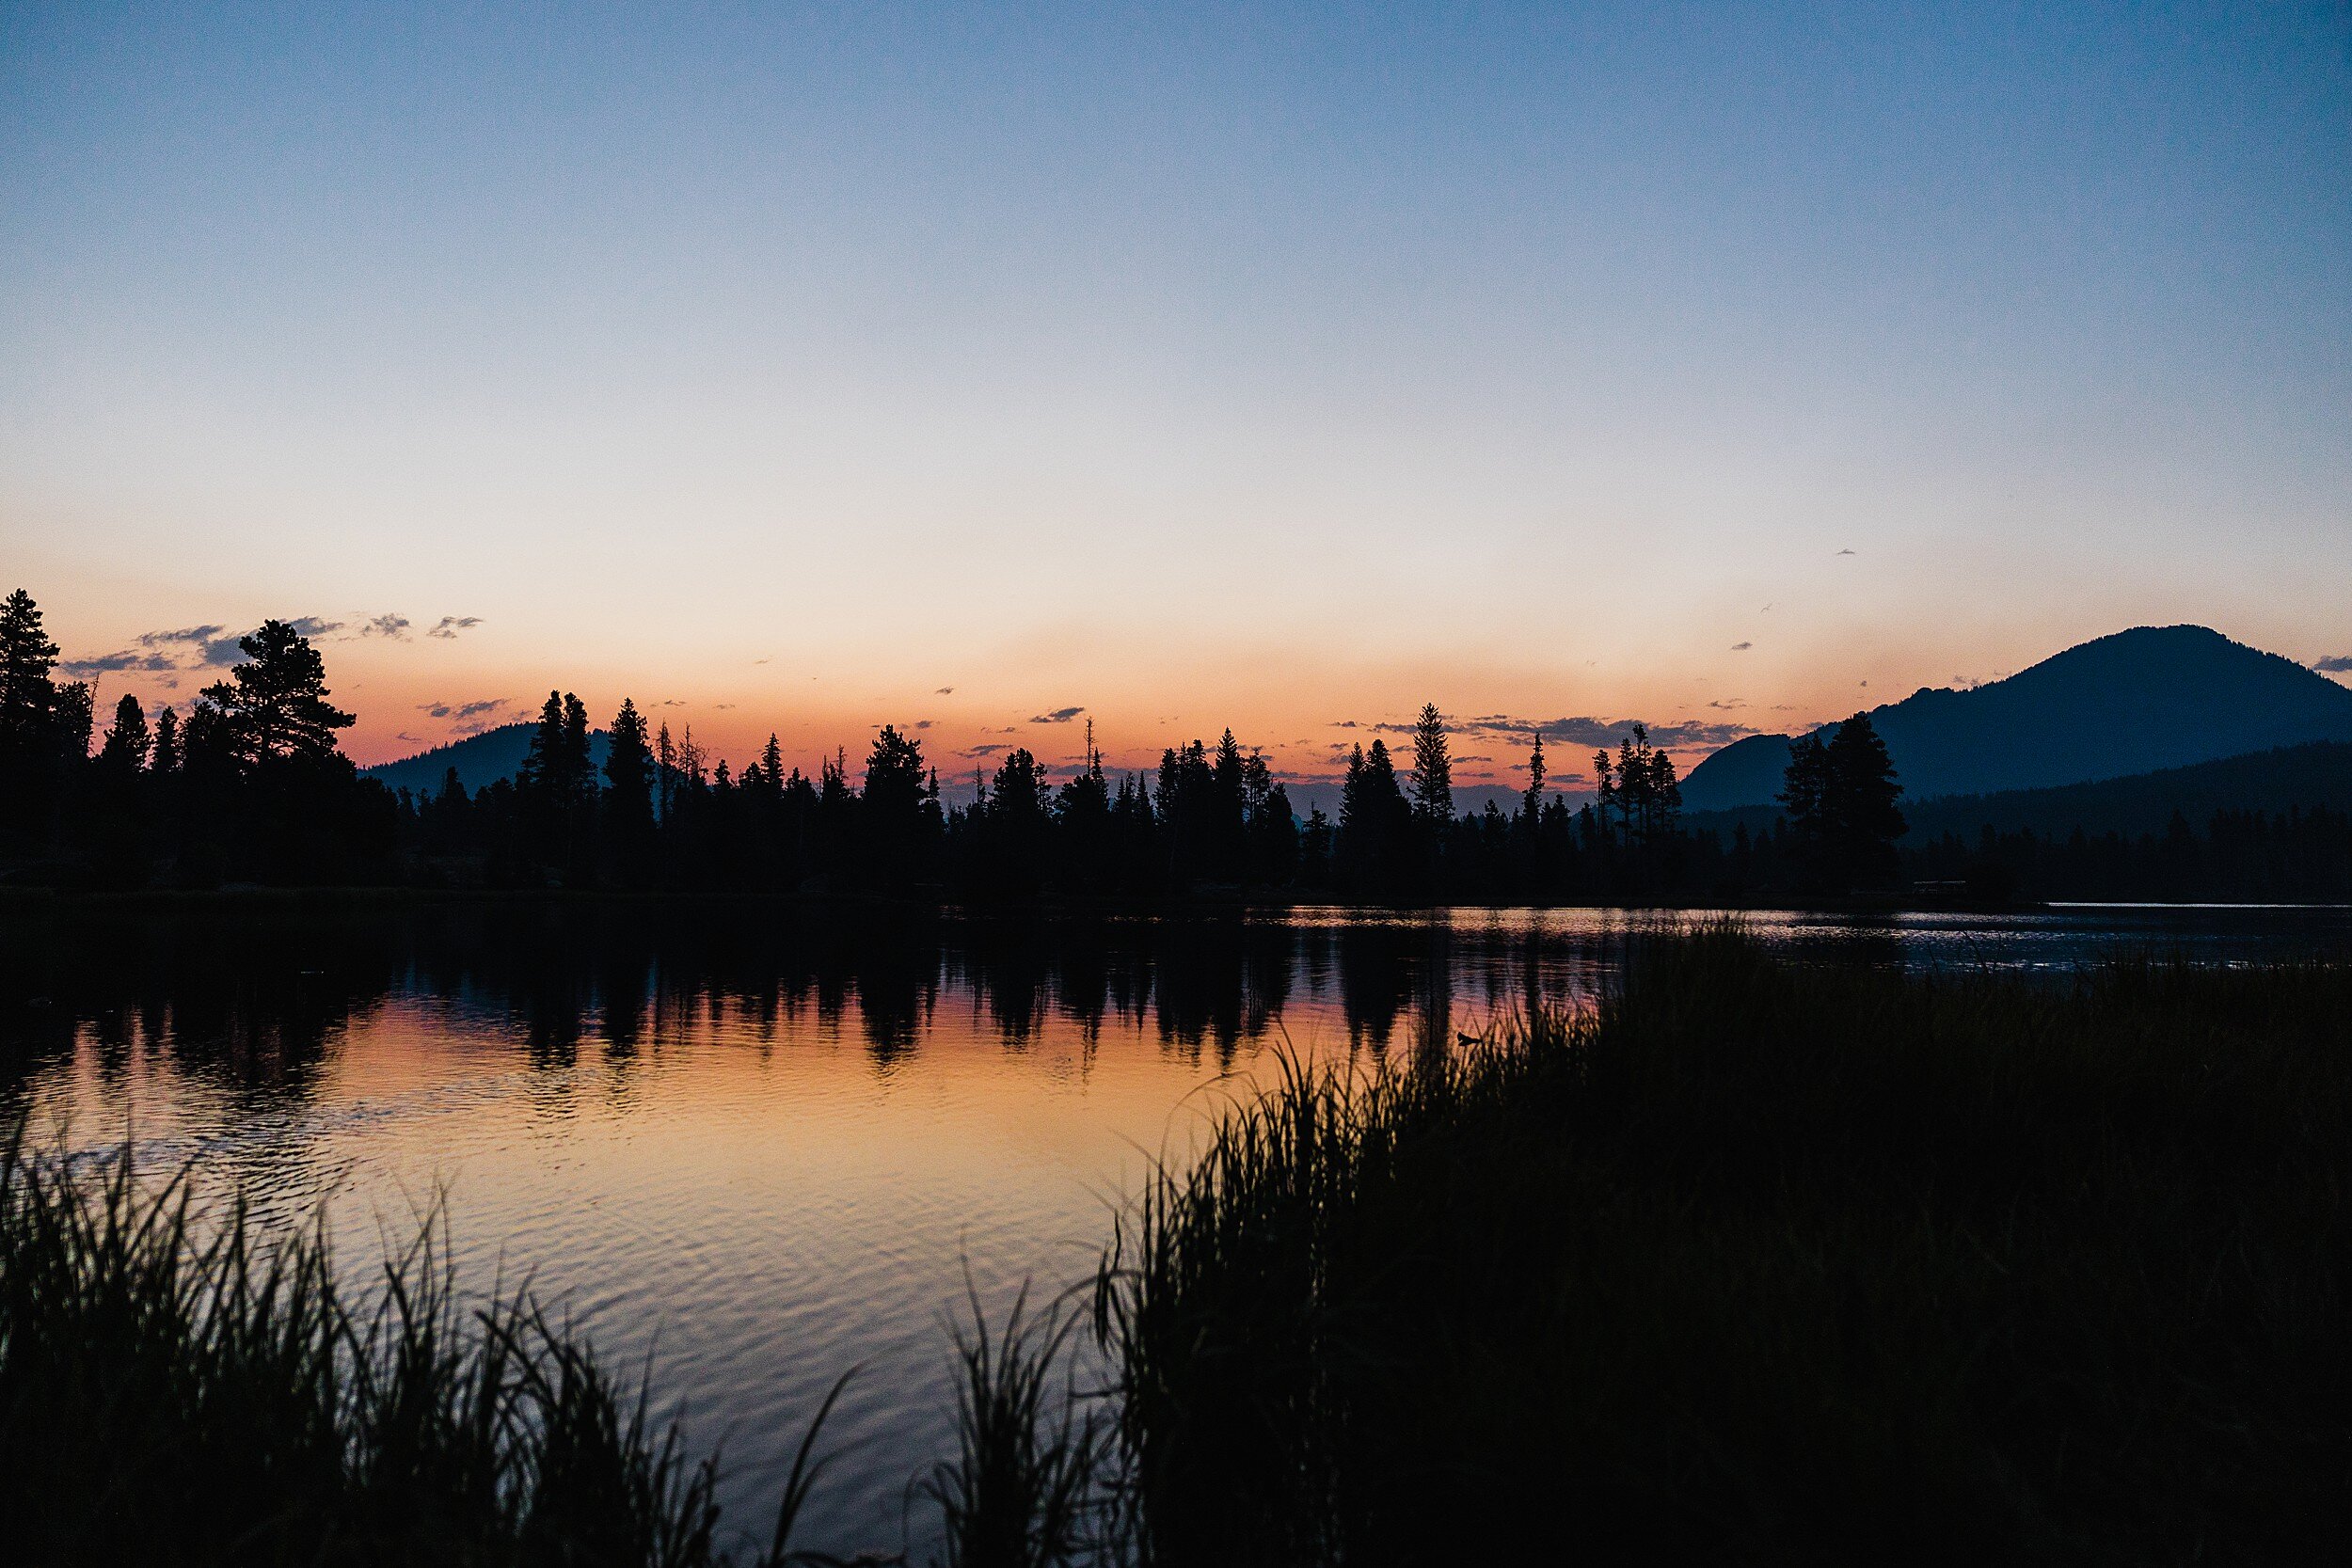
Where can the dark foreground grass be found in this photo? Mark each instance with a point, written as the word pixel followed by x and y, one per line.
pixel 177 1391
pixel 1764 1263
pixel 1758 1262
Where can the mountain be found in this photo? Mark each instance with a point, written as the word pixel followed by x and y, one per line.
pixel 2138 701
pixel 480 759
pixel 2294 778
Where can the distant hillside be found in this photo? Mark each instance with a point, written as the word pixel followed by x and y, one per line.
pixel 2139 701
pixel 2276 782
pixel 480 759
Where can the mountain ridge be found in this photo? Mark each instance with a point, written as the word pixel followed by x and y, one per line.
pixel 2138 701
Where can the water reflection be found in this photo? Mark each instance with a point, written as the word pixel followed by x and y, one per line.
pixel 765 1144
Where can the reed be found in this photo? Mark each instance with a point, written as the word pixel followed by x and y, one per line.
pixel 1767 1261
pixel 177 1387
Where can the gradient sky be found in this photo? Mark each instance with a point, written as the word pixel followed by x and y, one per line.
pixel 1285 367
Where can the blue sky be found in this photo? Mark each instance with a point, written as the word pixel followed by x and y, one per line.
pixel 1284 366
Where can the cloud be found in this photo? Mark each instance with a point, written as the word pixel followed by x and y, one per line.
pixel 469 718
pixel 945 692
pixel 985 749
pixel 107 664
pixel 1059 716
pixel 1741 647
pixel 2334 664
pixel 462 710
pixel 1729 706
pixel 393 627
pixel 1845 552
pixel 450 625
pixel 922 723
pixel 312 625
pixel 179 648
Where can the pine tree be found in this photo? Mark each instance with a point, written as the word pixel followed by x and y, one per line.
pixel 771 765
pixel 1532 802
pixel 578 780
pixel 125 750
pixel 27 658
pixel 628 777
pixel 665 769
pixel 542 769
pixel 1433 768
pixel 1861 802
pixel 167 754
pixel 273 706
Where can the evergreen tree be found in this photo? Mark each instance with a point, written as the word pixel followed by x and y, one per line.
pixel 167 755
pixel 666 770
pixel 1861 802
pixel 1804 789
pixel 628 794
pixel 1532 802
pixel 27 658
pixel 579 786
pixel 273 707
pixel 1375 825
pixel 542 768
pixel 127 743
pixel 897 808
pixel 1433 769
pixel 1840 795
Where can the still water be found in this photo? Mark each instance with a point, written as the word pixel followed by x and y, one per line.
pixel 751 1150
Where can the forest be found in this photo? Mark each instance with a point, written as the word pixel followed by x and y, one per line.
pixel 250 785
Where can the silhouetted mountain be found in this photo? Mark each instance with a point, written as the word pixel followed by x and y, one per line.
pixel 2151 698
pixel 480 759
pixel 2291 778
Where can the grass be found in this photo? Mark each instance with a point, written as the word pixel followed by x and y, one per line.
pixel 1767 1262
pixel 174 1390
pixel 178 1387
pixel 1758 1261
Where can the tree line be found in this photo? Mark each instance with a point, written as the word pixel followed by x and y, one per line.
pixel 250 784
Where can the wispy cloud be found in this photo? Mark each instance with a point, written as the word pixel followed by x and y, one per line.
pixel 2334 664
pixel 471 718
pixel 1059 716
pixel 450 625
pixel 393 627
pixel 106 664
pixel 945 692
pixel 1741 647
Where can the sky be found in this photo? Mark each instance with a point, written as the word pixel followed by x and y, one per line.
pixel 989 369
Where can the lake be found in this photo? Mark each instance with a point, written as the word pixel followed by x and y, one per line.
pixel 757 1145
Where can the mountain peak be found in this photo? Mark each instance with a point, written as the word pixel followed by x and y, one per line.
pixel 2131 702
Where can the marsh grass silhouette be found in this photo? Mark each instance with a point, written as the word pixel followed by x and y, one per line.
pixel 178 1387
pixel 1754 1258
pixel 1773 1261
